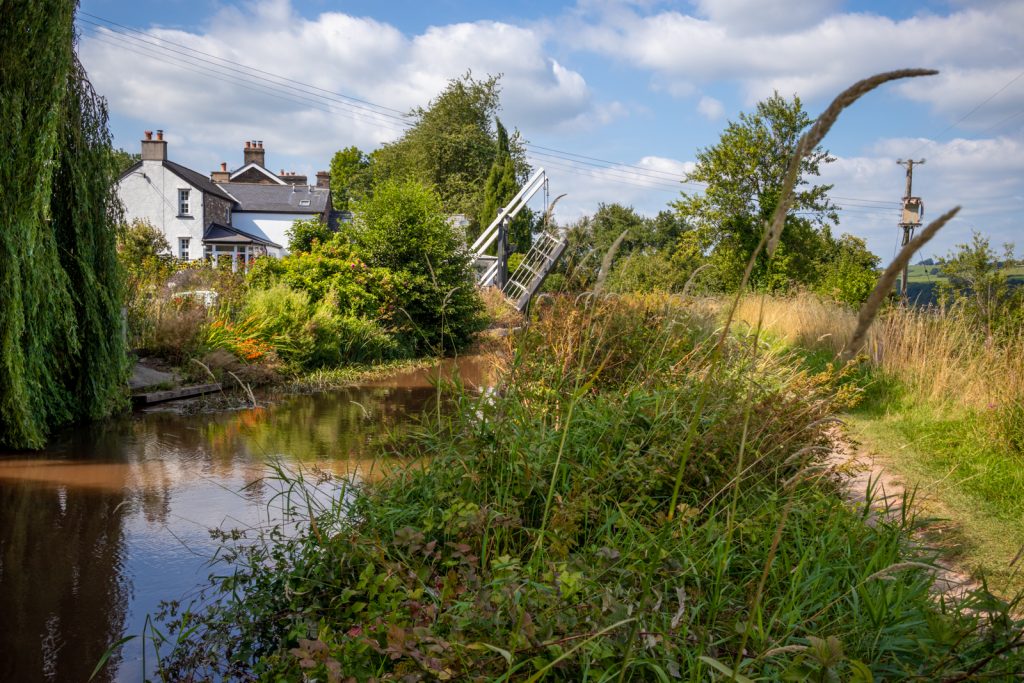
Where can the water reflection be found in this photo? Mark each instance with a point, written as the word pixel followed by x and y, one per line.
pixel 115 517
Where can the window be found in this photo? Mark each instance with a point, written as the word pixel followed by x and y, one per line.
pixel 183 208
pixel 183 244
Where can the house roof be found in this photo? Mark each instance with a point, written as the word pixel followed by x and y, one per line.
pixel 256 167
pixel 278 198
pixel 196 179
pixel 193 178
pixel 217 233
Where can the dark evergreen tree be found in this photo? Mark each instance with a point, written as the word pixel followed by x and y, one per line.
pixel 501 186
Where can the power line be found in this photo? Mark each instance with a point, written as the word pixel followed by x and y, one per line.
pixel 240 77
pixel 606 174
pixel 238 74
pixel 971 112
pixel 238 64
pixel 245 84
pixel 625 168
pixel 672 176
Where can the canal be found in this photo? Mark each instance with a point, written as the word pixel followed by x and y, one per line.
pixel 115 517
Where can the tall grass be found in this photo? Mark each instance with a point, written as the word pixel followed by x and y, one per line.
pixel 537 543
pixel 641 501
pixel 938 356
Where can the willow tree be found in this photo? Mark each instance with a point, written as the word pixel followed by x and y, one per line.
pixel 62 354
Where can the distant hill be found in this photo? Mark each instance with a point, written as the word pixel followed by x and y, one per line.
pixel 921 285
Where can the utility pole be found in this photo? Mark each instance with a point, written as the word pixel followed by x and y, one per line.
pixel 910 216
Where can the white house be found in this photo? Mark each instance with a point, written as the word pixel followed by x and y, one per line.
pixel 238 214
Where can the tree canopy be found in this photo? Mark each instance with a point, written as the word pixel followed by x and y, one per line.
pixel 452 146
pixel 743 175
pixel 499 189
pixel 351 177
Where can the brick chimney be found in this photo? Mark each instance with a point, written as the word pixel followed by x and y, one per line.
pixel 323 179
pixel 154 150
pixel 253 153
pixel 221 176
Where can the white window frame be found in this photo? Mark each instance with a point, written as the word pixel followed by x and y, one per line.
pixel 184 201
pixel 184 248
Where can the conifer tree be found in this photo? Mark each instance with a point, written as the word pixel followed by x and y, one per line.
pixel 500 188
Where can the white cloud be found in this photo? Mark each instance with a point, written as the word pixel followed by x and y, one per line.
pixel 710 108
pixel 813 53
pixel 334 52
pixel 765 16
pixel 982 176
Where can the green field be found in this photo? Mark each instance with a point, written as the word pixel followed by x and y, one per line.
pixel 931 274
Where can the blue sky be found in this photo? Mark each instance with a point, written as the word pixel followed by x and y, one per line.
pixel 637 85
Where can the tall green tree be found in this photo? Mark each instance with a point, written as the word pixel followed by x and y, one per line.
pixel 451 146
pixel 124 159
pixel 743 174
pixel 62 354
pixel 351 177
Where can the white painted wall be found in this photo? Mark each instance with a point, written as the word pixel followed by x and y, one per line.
pixel 151 193
pixel 271 226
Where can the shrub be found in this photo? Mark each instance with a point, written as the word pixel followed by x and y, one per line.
pixel 283 311
pixel 335 339
pixel 303 235
pixel 643 272
pixel 850 273
pixel 172 328
pixel 304 334
pixel 403 228
pixel 336 270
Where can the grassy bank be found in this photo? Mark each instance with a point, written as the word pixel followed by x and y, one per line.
pixel 642 499
pixel 942 410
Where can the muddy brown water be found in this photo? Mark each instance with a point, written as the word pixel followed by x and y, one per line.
pixel 114 517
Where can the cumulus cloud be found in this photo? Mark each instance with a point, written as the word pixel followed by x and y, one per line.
pixel 765 16
pixel 199 93
pixel 982 176
pixel 812 51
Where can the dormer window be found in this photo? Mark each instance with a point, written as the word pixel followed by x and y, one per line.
pixel 183 203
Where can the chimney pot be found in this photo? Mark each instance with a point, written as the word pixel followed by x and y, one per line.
pixel 254 153
pixel 149 135
pixel 159 134
pixel 223 165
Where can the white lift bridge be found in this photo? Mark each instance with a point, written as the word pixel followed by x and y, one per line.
pixel 527 278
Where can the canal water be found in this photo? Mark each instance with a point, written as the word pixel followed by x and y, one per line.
pixel 114 517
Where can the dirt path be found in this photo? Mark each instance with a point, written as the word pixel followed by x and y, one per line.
pixel 862 471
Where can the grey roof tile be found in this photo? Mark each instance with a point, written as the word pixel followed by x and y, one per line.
pixel 278 198
pixel 196 179
pixel 216 232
